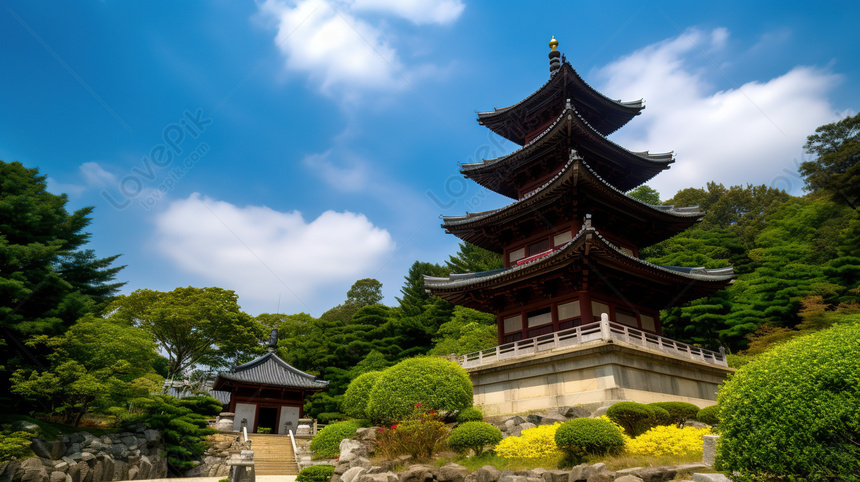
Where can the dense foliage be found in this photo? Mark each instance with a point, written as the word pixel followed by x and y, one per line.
pixel 634 417
pixel 420 436
pixel 326 444
pixel 795 410
pixel 14 444
pixel 533 443
pixel 588 436
pixel 709 415
pixel 316 473
pixel 679 412
pixel 358 393
pixel 470 414
pixel 474 436
pixel 435 383
pixel 668 440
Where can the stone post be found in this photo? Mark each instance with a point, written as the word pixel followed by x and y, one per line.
pixel 709 449
pixel 605 334
pixel 242 466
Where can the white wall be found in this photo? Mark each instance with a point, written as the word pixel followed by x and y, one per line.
pixel 288 414
pixel 244 410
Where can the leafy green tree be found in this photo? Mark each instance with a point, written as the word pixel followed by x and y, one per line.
pixel 472 259
pixel 835 170
pixel 413 295
pixel 468 331
pixel 192 325
pixel 364 292
pixel 645 194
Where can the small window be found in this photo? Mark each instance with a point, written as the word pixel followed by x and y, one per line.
pixel 517 254
pixel 597 308
pixel 648 323
pixel 561 238
pixel 514 323
pixel 626 317
pixel 539 247
pixel 540 317
pixel 569 310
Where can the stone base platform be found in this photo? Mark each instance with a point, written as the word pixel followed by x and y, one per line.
pixel 595 373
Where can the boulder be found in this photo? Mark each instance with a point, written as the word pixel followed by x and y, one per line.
pixel 8 469
pixel 360 462
pixel 58 477
pixel 24 426
pixel 352 473
pixel 657 474
pixel 79 472
pixel 108 465
pixel 73 448
pixel 710 478
pixel 350 449
pixel 119 451
pixel 418 473
pixel 61 466
pixel 120 470
pixel 518 430
pixel 555 476
pixel 98 471
pixel 129 440
pixel 366 434
pixel 695 424
pixel 341 468
pixel 97 446
pixel 145 467
pixel 514 421
pixel 552 418
pixel 40 448
pixel 87 456
pixel 453 473
pixel 487 473
pixel 574 412
pixel 132 473
pixel 628 478
pixel 69 461
pixel 381 477
pixel 32 470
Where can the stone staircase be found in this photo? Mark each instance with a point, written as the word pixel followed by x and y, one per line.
pixel 273 455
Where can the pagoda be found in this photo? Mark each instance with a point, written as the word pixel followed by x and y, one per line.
pixel 571 237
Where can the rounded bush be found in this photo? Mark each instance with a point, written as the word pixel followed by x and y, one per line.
pixel 588 436
pixel 326 444
pixel 470 414
pixel 636 418
pixel 357 395
pixel 795 409
pixel 661 416
pixel 475 436
pixel 315 473
pixel 435 383
pixel 679 412
pixel 709 415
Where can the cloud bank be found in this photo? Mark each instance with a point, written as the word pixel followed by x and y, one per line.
pixel 749 134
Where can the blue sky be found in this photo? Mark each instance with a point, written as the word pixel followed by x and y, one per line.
pixel 285 149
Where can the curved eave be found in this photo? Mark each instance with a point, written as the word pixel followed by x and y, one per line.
pixel 575 173
pixel 615 113
pixel 592 143
pixel 277 374
pixel 707 280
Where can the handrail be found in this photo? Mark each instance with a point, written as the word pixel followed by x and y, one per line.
pixel 295 450
pixel 602 330
pixel 245 432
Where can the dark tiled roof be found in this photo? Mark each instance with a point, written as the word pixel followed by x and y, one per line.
pixel 220 395
pixel 269 369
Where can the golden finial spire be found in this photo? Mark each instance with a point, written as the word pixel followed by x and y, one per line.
pixel 553 43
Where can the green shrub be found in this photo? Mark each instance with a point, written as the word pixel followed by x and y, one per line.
pixel 475 436
pixel 326 444
pixel 679 412
pixel 14 444
pixel 661 416
pixel 470 414
pixel 357 395
pixel 436 383
pixel 331 417
pixel 794 411
pixel 635 418
pixel 709 415
pixel 316 473
pixel 588 436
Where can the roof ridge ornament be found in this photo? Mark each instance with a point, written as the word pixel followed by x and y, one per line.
pixel 554 62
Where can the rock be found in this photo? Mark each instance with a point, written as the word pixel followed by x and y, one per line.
pixel 8 469
pixel 600 411
pixel 109 466
pixel 350 449
pixel 145 467
pixel 24 426
pixel 577 473
pixel 75 456
pixel 61 466
pixel 418 473
pixel 352 473
pixel 709 449
pixel 58 477
pixel 555 476
pixel 86 457
pixel 97 446
pixel 79 472
pixel 628 478
pixel 341 468
pixel 574 412
pixel 657 474
pixel 98 471
pixel 32 470
pixel 120 470
pixel 695 424
pixel 73 448
pixel 514 421
pixel 360 462
pixel 487 473
pixel 366 434
pixel 453 473
pixel 129 440
pixel 133 459
pixel 710 478
pixel 57 449
pixel 552 418
pixel 381 477
pixel 40 448
pixel 132 473
pixel 152 436
pixel 119 451
pixel 69 461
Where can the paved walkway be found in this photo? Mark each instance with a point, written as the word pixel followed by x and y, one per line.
pixel 260 478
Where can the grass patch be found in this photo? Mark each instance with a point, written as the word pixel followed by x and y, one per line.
pixel 50 430
pixel 627 461
pixel 613 462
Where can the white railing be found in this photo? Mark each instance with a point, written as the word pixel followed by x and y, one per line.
pixel 603 330
pixel 295 450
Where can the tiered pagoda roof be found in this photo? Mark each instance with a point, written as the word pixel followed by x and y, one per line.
pixel 517 121
pixel 270 369
pixel 588 257
pixel 549 150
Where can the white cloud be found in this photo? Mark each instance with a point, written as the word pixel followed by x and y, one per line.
pixel 343 52
pixel 416 11
pixel 750 134
pixel 261 253
pixel 96 176
pixel 350 175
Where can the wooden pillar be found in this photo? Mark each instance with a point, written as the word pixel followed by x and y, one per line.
pixel 585 308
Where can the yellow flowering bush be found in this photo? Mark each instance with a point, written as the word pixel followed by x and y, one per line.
pixel 668 440
pixel 534 443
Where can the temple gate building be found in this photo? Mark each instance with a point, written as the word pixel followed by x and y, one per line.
pixel 576 307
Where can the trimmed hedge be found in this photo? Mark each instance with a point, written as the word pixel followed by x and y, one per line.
pixel 316 473
pixel 475 436
pixel 794 411
pixel 661 416
pixel 588 436
pixel 470 414
pixel 435 383
pixel 634 417
pixel 357 395
pixel 326 444
pixel 679 412
pixel 709 415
